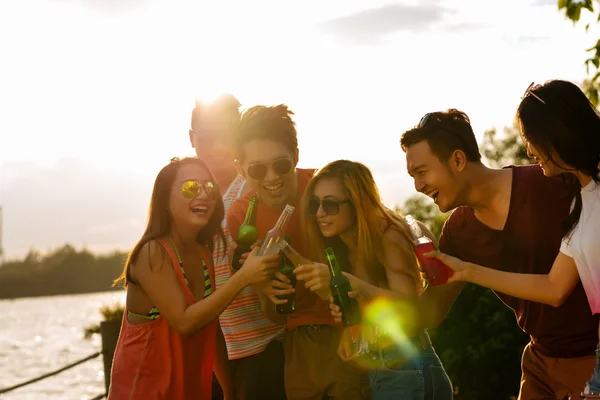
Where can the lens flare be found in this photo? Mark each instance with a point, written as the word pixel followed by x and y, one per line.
pixel 388 317
pixel 385 323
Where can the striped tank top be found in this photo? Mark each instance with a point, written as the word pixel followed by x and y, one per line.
pixel 246 329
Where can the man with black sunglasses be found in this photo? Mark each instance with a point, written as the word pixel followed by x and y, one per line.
pixel 242 324
pixel 507 219
pixel 267 154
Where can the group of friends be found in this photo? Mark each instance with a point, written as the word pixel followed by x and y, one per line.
pixel 196 328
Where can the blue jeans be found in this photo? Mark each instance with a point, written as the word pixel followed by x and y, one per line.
pixel 421 377
pixel 594 383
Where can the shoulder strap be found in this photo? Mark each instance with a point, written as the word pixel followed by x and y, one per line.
pixel 177 265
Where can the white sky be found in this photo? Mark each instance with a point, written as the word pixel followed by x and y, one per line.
pixel 95 95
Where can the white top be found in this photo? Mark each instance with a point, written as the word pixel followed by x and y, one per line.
pixel 583 245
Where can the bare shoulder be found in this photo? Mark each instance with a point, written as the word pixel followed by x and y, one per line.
pixel 393 236
pixel 152 257
pixel 398 247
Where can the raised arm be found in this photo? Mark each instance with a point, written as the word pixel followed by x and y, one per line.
pixel 553 288
pixel 153 270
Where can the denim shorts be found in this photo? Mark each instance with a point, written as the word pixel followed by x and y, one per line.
pixel 418 377
pixel 593 385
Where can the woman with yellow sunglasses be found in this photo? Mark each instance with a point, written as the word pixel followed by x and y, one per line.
pixel 166 348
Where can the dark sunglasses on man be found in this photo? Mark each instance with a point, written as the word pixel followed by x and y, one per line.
pixel 258 171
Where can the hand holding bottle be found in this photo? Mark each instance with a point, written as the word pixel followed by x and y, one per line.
pixel 233 248
pixel 461 269
pixel 336 312
pixel 434 271
pixel 257 268
pixel 354 348
pixel 280 286
pixel 316 278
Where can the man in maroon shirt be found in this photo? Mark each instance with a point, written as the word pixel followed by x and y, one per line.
pixel 506 219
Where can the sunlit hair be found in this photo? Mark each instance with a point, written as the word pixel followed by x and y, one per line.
pixel 369 210
pixel 225 107
pixel 160 220
pixel 445 132
pixel 557 118
pixel 262 122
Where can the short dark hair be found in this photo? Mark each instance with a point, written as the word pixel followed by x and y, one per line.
pixel 445 132
pixel 225 106
pixel 263 122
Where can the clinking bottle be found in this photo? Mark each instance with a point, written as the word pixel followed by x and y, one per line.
pixel 340 286
pixel 437 272
pixel 290 259
pixel 247 234
pixel 269 246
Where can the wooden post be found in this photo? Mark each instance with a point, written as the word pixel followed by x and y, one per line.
pixel 109 330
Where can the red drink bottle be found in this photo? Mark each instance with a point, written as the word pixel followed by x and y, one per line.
pixel 437 273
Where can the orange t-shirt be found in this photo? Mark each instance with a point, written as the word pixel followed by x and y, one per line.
pixel 152 361
pixel 310 308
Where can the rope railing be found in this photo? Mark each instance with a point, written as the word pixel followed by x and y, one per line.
pixel 49 374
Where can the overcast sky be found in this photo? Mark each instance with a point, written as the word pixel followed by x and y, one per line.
pixel 95 96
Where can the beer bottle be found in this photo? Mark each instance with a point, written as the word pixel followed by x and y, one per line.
pixel 340 286
pixel 269 246
pixel 247 234
pixel 287 268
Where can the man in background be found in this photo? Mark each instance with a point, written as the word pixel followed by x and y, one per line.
pixel 245 332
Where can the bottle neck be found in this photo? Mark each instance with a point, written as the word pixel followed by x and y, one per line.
pixel 334 267
pixel 415 230
pixel 251 213
pixel 283 220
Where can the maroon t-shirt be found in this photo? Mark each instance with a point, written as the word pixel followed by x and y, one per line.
pixel 529 243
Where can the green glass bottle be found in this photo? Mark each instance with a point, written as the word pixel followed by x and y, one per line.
pixel 247 234
pixel 340 286
pixel 287 268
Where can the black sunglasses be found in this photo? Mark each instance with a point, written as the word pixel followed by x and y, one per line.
pixel 429 117
pixel 330 207
pixel 280 166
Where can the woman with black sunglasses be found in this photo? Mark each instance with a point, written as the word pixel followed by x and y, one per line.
pixel 342 209
pixel 166 347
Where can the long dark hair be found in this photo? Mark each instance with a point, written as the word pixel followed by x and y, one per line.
pixel 557 118
pixel 159 219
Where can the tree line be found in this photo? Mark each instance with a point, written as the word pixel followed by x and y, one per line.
pixel 62 271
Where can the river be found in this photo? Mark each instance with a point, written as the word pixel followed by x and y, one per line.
pixel 39 335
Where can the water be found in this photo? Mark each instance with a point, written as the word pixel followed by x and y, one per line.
pixel 39 335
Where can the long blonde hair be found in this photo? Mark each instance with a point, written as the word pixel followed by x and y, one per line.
pixel 370 211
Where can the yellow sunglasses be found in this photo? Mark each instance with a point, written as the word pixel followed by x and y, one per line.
pixel 191 189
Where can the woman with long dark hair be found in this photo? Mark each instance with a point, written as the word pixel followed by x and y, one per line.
pixel 342 209
pixel 166 348
pixel 561 130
